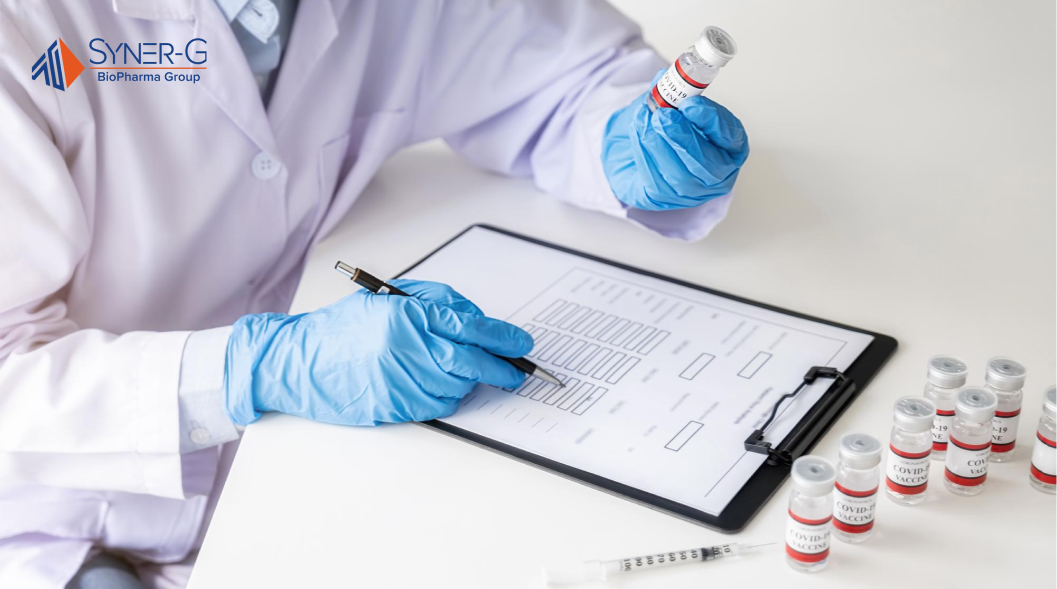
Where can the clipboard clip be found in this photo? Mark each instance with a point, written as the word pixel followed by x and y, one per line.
pixel 811 426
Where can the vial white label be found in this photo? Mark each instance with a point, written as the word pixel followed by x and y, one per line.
pixel 907 473
pixel 653 561
pixel 807 540
pixel 941 429
pixel 1044 459
pixel 1004 431
pixel 853 511
pixel 675 86
pixel 967 463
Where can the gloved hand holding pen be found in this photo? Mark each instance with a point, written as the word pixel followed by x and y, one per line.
pixel 370 359
pixel 673 158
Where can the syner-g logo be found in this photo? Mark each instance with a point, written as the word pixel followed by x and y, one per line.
pixel 123 62
pixel 59 66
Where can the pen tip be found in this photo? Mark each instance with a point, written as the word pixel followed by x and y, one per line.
pixel 548 377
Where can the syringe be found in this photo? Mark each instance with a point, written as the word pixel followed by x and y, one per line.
pixel 598 570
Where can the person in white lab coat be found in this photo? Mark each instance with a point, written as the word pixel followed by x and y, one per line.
pixel 141 220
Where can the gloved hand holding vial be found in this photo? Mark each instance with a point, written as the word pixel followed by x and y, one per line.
pixel 673 148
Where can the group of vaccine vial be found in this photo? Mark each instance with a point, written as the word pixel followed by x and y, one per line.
pixel 966 427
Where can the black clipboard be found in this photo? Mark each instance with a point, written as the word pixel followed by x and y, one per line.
pixel 846 387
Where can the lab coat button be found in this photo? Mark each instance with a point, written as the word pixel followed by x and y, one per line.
pixel 264 166
pixel 199 436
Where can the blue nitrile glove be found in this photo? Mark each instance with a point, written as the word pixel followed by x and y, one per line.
pixel 673 158
pixel 369 359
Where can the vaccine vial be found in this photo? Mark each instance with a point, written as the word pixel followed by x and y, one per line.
pixel 855 495
pixel 1044 457
pixel 1005 378
pixel 969 448
pixel 694 70
pixel 810 511
pixel 907 471
pixel 946 374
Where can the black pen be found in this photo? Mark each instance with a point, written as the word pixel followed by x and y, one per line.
pixel 378 286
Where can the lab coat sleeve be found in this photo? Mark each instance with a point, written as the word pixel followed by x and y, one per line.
pixel 79 408
pixel 204 420
pixel 526 87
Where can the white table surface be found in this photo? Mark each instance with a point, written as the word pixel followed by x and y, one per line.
pixel 902 157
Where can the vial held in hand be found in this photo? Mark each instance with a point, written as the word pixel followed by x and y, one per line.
pixel 946 375
pixel 807 532
pixel 694 70
pixel 855 498
pixel 907 471
pixel 1044 457
pixel 1005 379
pixel 969 449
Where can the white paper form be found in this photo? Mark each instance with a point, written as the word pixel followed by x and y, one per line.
pixel 663 382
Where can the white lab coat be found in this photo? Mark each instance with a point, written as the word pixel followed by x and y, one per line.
pixel 133 213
